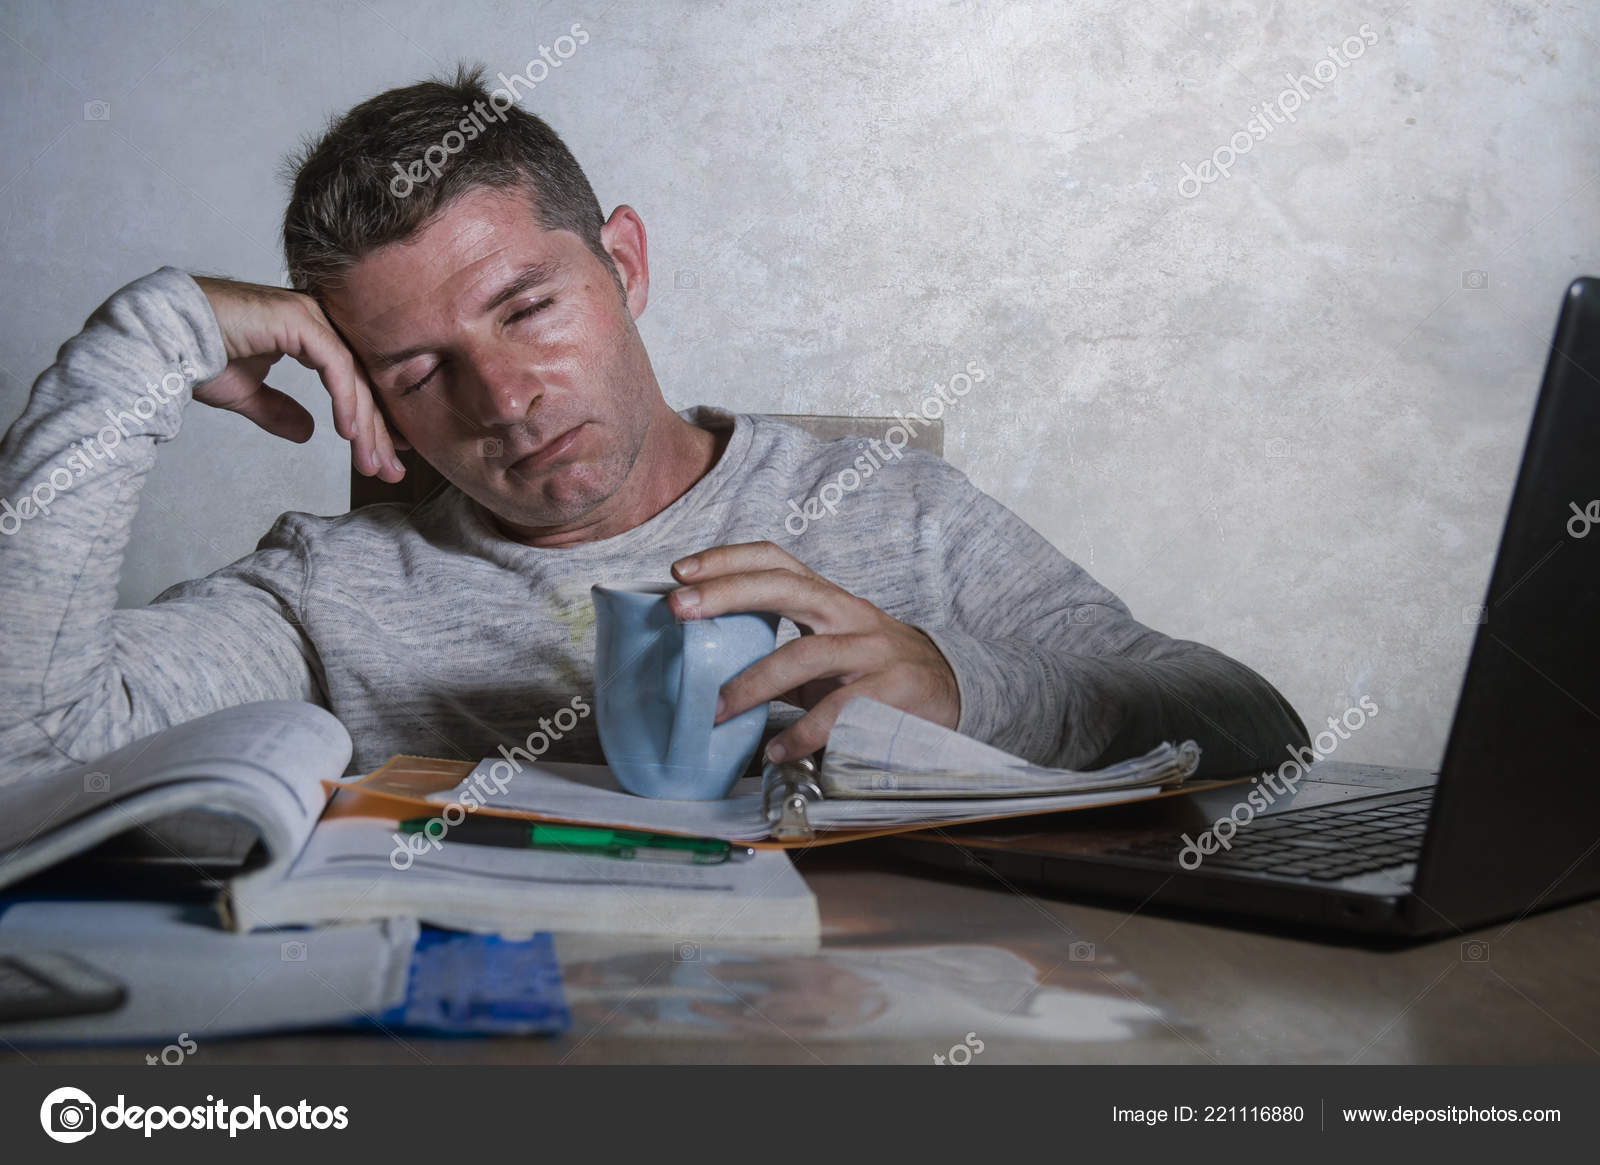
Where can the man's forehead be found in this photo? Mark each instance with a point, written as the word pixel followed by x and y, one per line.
pixel 459 269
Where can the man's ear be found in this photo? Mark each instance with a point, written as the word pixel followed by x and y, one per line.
pixel 624 240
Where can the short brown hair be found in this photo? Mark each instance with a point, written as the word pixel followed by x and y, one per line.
pixel 343 204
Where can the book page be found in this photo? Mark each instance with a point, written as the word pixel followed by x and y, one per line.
pixel 866 813
pixel 356 866
pixel 883 768
pixel 589 794
pixel 184 974
pixel 261 762
pixel 882 752
pixel 582 793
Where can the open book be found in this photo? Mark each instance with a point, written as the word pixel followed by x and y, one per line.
pixel 272 766
pixel 883 771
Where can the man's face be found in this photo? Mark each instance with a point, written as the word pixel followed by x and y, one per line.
pixel 505 355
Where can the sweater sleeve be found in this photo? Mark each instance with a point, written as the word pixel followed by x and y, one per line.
pixel 80 678
pixel 1052 666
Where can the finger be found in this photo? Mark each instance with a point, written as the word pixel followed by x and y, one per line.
pixel 810 733
pixel 806 599
pixel 396 441
pixel 385 438
pixel 390 468
pixel 738 558
pixel 364 445
pixel 315 344
pixel 808 696
pixel 800 662
pixel 381 445
pixel 278 413
pixel 371 423
pixel 396 438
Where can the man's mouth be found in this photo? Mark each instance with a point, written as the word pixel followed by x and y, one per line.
pixel 543 454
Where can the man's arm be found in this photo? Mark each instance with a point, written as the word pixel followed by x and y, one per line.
pixel 80 678
pixel 1027 653
pixel 1051 665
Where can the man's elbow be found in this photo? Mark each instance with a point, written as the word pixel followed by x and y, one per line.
pixel 1241 722
pixel 1259 727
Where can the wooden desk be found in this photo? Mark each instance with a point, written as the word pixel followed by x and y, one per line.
pixel 1201 993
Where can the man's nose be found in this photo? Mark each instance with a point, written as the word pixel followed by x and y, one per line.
pixel 498 390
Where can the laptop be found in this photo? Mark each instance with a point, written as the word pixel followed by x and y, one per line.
pixel 1510 822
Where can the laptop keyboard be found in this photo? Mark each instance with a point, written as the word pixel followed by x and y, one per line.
pixel 1325 844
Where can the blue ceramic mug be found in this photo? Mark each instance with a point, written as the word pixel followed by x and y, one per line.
pixel 656 682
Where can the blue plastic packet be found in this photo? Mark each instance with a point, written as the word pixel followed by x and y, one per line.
pixel 478 984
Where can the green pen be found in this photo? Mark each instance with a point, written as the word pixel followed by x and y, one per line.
pixel 627 844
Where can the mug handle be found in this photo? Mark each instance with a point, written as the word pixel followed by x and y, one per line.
pixel 689 746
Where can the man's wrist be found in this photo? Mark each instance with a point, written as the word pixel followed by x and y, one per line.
pixel 1006 698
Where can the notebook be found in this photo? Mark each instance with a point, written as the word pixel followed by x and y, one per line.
pixel 884 770
pixel 188 982
pixel 345 871
pixel 325 851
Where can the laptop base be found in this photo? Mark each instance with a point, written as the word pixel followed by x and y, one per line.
pixel 1082 855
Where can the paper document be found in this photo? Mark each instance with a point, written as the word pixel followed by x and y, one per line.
pixel 913 772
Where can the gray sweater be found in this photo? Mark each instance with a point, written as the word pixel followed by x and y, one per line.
pixel 426 631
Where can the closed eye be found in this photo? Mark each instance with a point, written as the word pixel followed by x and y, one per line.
pixel 411 388
pixel 530 310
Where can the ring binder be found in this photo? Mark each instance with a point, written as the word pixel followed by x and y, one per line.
pixel 786 788
pixel 884 770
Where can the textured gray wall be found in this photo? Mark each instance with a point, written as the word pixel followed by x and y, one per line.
pixel 1273 410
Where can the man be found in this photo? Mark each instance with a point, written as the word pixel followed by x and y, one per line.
pixel 482 313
